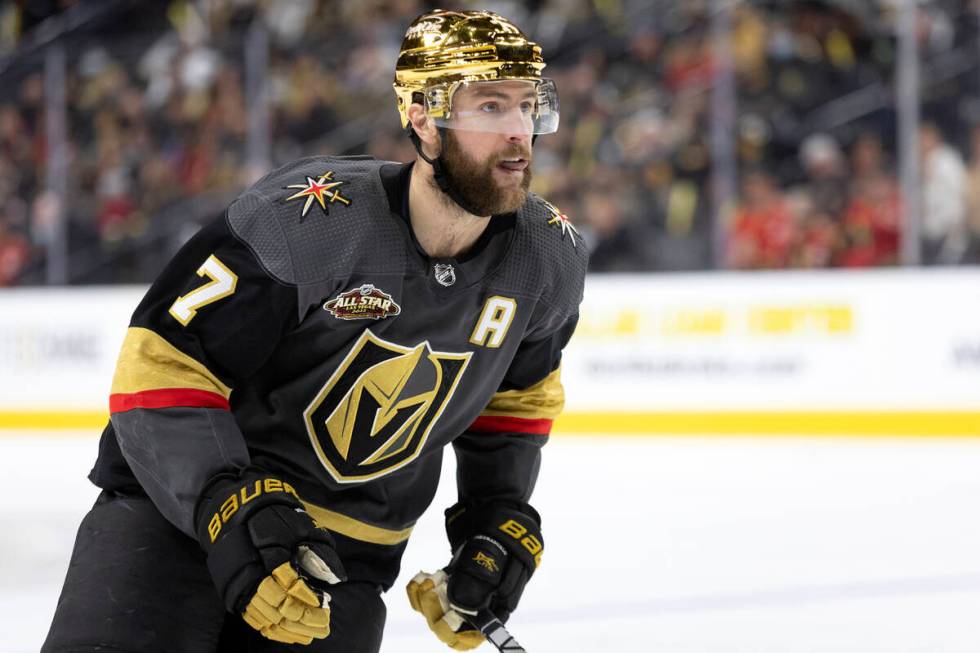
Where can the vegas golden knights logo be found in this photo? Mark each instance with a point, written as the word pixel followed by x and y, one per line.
pixel 375 412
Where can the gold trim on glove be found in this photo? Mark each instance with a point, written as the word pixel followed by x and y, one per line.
pixel 427 595
pixel 285 609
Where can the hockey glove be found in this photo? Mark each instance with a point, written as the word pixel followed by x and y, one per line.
pixel 427 595
pixel 496 548
pixel 267 556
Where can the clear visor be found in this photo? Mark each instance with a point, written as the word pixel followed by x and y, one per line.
pixel 506 106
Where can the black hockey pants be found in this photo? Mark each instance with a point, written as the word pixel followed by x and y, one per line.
pixel 136 583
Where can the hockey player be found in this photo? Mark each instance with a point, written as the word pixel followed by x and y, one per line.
pixel 287 385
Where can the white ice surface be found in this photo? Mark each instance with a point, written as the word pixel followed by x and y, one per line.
pixel 655 544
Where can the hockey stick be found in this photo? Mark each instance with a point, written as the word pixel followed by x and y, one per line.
pixel 495 632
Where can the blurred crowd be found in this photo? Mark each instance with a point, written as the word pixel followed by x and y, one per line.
pixel 163 128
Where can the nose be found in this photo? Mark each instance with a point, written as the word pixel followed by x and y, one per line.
pixel 517 127
pixel 518 138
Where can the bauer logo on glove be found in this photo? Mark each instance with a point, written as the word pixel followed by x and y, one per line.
pixel 269 561
pixel 245 494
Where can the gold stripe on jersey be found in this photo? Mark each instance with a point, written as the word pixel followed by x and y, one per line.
pixel 543 400
pixel 354 528
pixel 148 362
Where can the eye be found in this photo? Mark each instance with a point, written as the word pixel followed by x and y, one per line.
pixel 527 107
pixel 489 107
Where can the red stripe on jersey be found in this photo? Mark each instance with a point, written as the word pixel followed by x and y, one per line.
pixel 167 398
pixel 486 424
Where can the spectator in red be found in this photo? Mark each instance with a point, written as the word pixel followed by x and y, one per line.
pixel 15 252
pixel 818 238
pixel 872 217
pixel 871 224
pixel 689 64
pixel 762 232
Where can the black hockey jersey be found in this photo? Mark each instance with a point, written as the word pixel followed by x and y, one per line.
pixel 307 333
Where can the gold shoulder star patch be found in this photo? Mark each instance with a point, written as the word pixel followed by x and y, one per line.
pixel 560 219
pixel 322 189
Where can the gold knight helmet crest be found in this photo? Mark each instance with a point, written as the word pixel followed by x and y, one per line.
pixel 376 411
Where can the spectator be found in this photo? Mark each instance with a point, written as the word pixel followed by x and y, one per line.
pixel 867 158
pixel 973 195
pixel 872 217
pixel 944 236
pixel 871 224
pixel 159 115
pixel 15 251
pixel 826 173
pixel 818 237
pixel 762 233
pixel 610 236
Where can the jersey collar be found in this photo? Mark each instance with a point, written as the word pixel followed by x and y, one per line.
pixel 396 179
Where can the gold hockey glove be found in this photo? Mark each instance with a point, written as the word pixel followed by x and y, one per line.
pixel 496 548
pixel 269 561
pixel 427 594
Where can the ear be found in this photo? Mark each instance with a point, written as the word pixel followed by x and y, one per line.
pixel 425 128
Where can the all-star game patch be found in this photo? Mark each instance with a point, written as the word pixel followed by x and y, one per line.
pixel 364 303
pixel 323 189
pixel 560 219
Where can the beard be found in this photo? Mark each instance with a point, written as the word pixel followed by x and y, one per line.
pixel 474 181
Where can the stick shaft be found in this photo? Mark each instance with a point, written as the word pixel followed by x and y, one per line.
pixel 496 633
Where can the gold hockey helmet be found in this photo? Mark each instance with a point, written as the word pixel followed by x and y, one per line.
pixel 446 51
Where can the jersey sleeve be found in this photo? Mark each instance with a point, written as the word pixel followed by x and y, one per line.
pixel 499 455
pixel 210 321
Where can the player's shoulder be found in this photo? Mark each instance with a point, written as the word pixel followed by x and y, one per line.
pixel 549 257
pixel 332 172
pixel 552 235
pixel 311 218
pixel 549 235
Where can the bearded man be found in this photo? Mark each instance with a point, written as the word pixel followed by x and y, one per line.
pixel 288 384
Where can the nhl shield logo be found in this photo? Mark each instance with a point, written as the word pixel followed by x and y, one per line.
pixel 364 303
pixel 375 412
pixel 445 274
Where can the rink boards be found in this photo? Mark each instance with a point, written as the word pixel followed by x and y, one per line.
pixel 767 353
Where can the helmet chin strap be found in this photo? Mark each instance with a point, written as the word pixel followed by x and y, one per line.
pixel 439 171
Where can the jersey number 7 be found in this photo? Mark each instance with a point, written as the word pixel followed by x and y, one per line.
pixel 222 284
